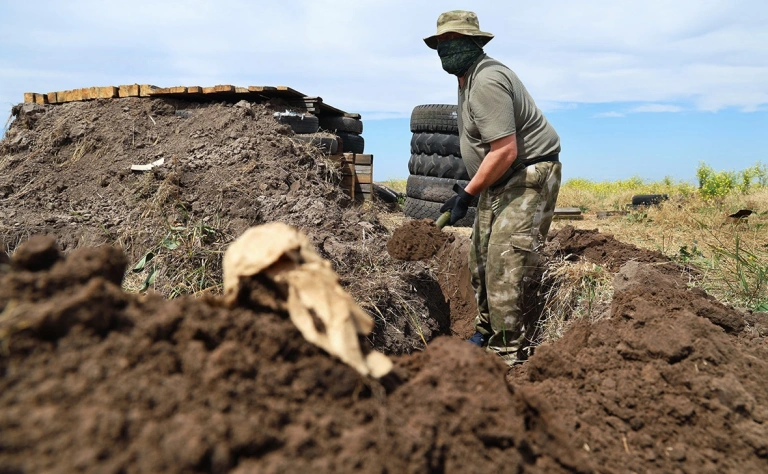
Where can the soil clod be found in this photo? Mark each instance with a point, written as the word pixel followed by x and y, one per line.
pixel 417 240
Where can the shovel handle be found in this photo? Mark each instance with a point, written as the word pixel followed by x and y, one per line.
pixel 443 220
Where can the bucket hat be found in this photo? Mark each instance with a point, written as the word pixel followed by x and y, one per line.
pixel 458 21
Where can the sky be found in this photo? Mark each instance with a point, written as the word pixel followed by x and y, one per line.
pixel 646 88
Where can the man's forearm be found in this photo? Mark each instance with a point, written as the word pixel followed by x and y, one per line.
pixel 493 167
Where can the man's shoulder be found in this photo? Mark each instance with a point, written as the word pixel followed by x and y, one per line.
pixel 489 68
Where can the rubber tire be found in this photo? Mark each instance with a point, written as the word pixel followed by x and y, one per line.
pixel 648 199
pixel 351 142
pixel 439 166
pixel 300 124
pixel 429 188
pixel 339 123
pixel 385 193
pixel 325 144
pixel 435 143
pixel 435 118
pixel 419 209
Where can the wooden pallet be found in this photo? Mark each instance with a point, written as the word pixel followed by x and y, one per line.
pixel 221 92
pixel 357 174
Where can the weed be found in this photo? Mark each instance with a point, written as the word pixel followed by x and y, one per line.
pixel 573 291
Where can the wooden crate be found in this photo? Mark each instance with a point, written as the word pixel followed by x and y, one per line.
pixel 357 174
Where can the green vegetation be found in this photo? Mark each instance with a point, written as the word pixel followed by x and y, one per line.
pixel 716 184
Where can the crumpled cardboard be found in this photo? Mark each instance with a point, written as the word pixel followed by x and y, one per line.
pixel 324 313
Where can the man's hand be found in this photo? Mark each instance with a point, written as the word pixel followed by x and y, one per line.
pixel 458 204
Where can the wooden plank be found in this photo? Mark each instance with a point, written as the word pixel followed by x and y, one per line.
pixel 241 90
pixel 344 158
pixel 363 169
pixel 41 99
pixel 560 211
pixel 53 97
pixel 194 90
pixel 363 159
pixel 178 90
pixel 146 90
pixel 364 178
pixel 224 88
pixel 107 92
pixel 128 90
pixel 29 97
pixel 347 169
pixel 261 88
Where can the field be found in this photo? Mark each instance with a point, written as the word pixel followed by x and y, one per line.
pixel 119 351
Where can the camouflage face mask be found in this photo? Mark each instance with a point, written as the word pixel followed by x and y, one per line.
pixel 458 54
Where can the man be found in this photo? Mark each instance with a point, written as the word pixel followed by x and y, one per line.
pixel 512 155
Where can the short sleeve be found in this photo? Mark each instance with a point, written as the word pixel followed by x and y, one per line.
pixel 491 103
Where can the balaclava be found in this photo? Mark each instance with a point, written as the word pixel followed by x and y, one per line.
pixel 458 54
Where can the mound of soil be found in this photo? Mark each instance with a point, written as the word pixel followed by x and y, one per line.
pixel 599 248
pixel 98 380
pixel 65 172
pixel 664 385
pixel 417 240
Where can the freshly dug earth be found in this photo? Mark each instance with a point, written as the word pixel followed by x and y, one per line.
pixel 417 240
pixel 98 380
pixel 65 171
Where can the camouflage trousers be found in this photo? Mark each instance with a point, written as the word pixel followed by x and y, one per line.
pixel 511 225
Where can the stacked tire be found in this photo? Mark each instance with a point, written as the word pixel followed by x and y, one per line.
pixel 348 130
pixel 435 165
pixel 343 133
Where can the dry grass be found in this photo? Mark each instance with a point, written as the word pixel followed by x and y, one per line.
pixel 731 253
pixel 573 291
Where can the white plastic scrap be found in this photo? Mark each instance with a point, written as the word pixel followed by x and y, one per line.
pixel 149 166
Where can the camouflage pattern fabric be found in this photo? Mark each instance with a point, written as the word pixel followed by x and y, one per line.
pixel 511 226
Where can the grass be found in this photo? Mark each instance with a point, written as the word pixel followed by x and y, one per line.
pixel 690 228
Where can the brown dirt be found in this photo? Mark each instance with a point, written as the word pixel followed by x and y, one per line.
pixel 65 171
pixel 98 380
pixel 455 281
pixel 417 240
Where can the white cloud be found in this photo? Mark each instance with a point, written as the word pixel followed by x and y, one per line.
pixel 610 115
pixel 656 108
pixel 368 56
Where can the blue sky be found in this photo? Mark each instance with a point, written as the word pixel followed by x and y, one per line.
pixel 647 88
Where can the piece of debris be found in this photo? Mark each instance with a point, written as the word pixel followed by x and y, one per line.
pixel 148 167
pixel 324 313
pixel 569 213
pixel 742 213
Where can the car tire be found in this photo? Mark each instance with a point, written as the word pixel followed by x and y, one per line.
pixel 299 123
pixel 435 143
pixel 430 188
pixel 351 142
pixel 435 118
pixel 648 199
pixel 449 166
pixel 420 209
pixel 339 123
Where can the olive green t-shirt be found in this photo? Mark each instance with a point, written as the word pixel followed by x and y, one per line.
pixel 494 104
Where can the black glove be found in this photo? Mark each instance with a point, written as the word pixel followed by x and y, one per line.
pixel 458 204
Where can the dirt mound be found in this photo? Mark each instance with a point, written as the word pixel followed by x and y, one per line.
pixel 599 248
pixel 65 171
pixel 98 380
pixel 417 240
pixel 661 386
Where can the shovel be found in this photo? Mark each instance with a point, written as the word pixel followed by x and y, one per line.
pixel 443 220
